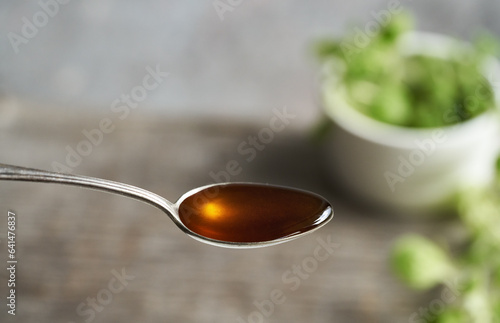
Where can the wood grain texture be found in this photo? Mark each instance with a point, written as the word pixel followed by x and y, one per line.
pixel 71 240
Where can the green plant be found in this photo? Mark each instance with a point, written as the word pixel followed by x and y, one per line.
pixel 423 264
pixel 408 90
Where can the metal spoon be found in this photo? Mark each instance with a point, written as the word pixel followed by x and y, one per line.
pixel 233 215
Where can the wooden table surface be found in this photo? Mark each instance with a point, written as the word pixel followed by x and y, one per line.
pixel 87 256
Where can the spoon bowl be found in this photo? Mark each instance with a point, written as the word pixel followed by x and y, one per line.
pixel 232 215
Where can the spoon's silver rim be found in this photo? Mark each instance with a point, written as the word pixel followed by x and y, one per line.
pixel 18 173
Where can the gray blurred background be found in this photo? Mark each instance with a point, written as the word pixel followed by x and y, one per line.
pixel 226 74
pixel 236 64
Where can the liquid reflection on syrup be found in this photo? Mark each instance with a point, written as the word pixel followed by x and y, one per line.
pixel 252 212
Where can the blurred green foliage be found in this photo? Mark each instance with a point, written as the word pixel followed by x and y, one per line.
pixel 422 264
pixel 422 91
pixel 408 90
pixel 412 253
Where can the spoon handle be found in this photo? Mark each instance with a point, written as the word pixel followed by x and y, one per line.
pixel 17 173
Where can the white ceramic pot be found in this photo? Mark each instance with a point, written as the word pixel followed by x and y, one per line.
pixel 404 168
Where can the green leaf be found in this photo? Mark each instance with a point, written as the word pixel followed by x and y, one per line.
pixel 327 48
pixel 419 262
pixel 452 315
